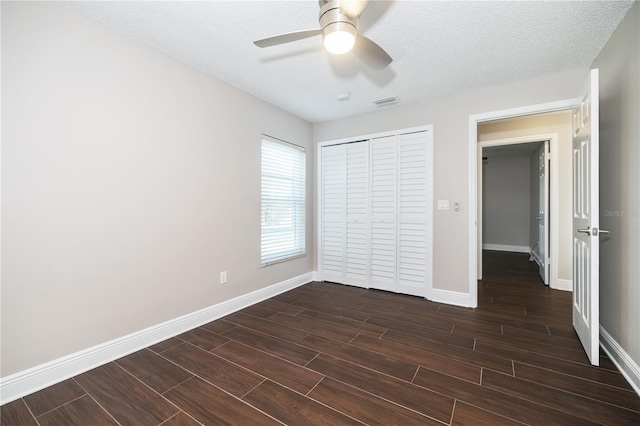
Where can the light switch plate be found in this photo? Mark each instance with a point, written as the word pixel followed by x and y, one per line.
pixel 443 204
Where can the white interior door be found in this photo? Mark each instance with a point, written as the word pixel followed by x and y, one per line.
pixel 333 213
pixel 414 205
pixel 356 250
pixel 375 213
pixel 586 247
pixel 543 212
pixel 384 170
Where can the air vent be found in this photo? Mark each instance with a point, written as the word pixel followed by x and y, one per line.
pixel 386 101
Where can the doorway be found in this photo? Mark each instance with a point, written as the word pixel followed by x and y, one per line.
pixel 514 200
pixel 511 131
pixel 584 199
pixel 555 127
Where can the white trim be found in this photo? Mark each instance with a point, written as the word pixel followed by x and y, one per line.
pixel 562 284
pixel 474 119
pixel 318 209
pixel 627 366
pixel 450 297
pixel 506 247
pixel 425 128
pixel 430 216
pixel 473 211
pixel 39 377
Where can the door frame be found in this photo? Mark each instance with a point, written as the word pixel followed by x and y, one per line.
pixel 554 200
pixel 474 119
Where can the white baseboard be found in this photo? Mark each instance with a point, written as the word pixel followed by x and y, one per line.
pixel 506 247
pixel 562 284
pixel 316 275
pixel 627 366
pixel 39 377
pixel 450 297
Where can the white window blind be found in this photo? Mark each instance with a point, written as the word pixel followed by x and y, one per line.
pixel 283 201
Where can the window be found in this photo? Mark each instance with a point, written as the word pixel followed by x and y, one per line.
pixel 283 201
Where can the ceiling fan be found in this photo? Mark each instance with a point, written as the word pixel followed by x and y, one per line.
pixel 339 29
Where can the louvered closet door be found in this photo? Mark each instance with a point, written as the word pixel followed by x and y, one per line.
pixel 357 214
pixel 333 213
pixel 414 204
pixel 384 169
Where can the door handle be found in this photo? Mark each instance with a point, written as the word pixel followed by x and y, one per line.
pixel 585 231
pixel 596 231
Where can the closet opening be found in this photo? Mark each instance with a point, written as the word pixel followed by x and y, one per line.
pixel 375 211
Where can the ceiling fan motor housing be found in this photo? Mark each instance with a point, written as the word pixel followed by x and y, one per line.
pixel 331 19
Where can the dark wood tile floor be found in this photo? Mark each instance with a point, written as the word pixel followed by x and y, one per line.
pixel 338 355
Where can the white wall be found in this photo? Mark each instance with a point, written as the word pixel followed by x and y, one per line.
pixel 560 123
pixel 129 181
pixel 505 198
pixel 619 64
pixel 450 117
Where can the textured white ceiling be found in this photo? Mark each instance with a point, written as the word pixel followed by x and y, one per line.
pixel 439 48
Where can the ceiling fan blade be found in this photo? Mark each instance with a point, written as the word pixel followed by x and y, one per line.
pixel 369 51
pixel 287 38
pixel 352 8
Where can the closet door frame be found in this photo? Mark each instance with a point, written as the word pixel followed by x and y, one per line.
pixel 318 241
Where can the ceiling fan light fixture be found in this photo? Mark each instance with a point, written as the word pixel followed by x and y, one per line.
pixel 339 37
pixel 338 21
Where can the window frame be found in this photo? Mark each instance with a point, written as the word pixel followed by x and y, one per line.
pixel 283 193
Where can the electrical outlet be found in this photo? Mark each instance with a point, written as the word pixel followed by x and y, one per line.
pixel 223 277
